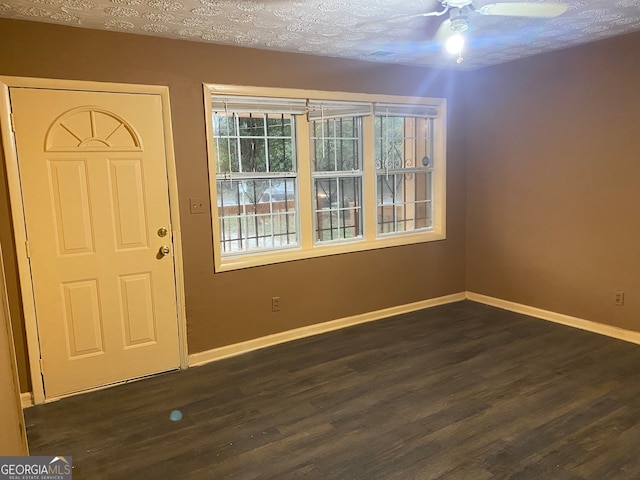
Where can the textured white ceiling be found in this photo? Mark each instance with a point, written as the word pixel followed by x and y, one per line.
pixel 359 29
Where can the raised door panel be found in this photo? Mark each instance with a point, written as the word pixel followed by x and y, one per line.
pixel 83 318
pixel 128 203
pixel 138 315
pixel 70 191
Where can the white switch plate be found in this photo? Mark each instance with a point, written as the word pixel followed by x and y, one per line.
pixel 198 205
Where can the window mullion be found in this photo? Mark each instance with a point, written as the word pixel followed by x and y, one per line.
pixel 305 187
pixel 369 179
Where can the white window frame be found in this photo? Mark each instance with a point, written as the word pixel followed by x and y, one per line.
pixel 232 108
pixel 370 239
pixel 415 167
pixel 323 110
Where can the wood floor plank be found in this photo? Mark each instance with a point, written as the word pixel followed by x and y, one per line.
pixel 460 391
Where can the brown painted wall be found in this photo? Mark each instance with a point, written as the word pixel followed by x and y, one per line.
pixel 235 306
pixel 553 174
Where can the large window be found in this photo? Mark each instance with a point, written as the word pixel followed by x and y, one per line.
pixel 256 173
pixel 298 174
pixel 404 168
pixel 336 168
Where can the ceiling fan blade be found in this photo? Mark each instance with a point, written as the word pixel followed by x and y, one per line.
pixel 402 18
pixel 398 18
pixel 443 32
pixel 524 9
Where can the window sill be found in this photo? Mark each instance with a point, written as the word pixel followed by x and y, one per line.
pixel 244 260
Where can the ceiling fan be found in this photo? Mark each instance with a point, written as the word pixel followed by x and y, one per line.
pixel 451 29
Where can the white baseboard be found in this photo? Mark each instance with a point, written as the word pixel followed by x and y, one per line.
pixel 582 324
pixel 26 399
pixel 202 358
pixel 205 357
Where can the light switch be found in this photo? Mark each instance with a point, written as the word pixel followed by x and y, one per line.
pixel 198 205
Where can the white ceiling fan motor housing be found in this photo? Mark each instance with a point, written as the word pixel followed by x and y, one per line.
pixel 459 19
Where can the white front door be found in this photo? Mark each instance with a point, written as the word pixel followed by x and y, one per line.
pixel 93 174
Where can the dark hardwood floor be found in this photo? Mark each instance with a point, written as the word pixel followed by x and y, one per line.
pixel 460 391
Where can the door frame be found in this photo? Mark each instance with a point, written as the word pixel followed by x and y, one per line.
pixel 18 216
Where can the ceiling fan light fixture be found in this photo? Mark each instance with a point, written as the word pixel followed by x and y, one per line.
pixel 455 44
pixel 459 19
pixel 459 24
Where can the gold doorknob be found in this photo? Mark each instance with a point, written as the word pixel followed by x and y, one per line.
pixel 162 232
pixel 164 250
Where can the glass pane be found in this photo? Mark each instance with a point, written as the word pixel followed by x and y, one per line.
pixel 347 128
pixel 251 125
pixel 326 193
pixel 323 159
pixel 244 194
pixel 389 189
pixel 338 208
pixel 389 136
pixel 351 222
pixel 278 125
pixel 228 196
pixel 336 144
pixel 224 125
pixel 422 187
pixel 283 228
pixel 280 155
pixel 257 214
pixel 279 191
pixel 349 155
pixel 350 192
pixel 404 202
pixel 423 215
pixel 382 219
pixel 337 224
pixel 253 155
pixel 327 226
pixel 242 145
pixel 226 155
pixel 403 142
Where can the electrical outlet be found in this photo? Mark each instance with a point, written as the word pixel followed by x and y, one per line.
pixel 198 205
pixel 275 304
pixel 619 298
